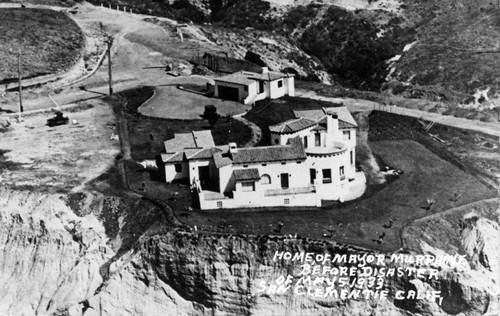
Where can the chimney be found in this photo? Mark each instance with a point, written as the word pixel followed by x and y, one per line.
pixel 332 122
pixel 265 70
pixel 232 148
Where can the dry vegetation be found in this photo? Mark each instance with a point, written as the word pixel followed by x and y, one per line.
pixel 49 42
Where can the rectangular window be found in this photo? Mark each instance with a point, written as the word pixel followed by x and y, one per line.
pixel 327 175
pixel 352 157
pixel 347 135
pixel 245 88
pixel 248 186
pixel 280 83
pixel 283 163
pixel 341 170
pixel 178 167
pixel 312 174
pixel 286 201
pixel 305 141
pixel 219 204
pixel 317 139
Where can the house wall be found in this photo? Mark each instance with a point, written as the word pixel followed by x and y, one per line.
pixel 286 89
pixel 334 190
pixel 171 174
pixel 291 86
pixel 193 168
pixel 351 146
pixel 297 175
pixel 253 96
pixel 293 200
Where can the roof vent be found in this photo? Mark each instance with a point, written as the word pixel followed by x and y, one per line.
pixel 265 70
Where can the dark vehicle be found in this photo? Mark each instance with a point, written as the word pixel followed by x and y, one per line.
pixel 58 119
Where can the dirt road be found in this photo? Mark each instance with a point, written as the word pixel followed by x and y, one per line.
pixel 140 45
pixel 365 105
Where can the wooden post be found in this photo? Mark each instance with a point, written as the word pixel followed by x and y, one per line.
pixel 20 83
pixel 110 77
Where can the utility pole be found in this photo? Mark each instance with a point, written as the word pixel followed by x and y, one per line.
pixel 110 77
pixel 20 84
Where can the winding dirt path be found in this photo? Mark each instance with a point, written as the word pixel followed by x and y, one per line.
pixel 365 105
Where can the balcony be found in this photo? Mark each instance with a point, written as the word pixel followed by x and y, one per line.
pixel 290 191
pixel 335 148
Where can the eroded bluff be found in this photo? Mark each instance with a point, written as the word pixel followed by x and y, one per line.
pixel 55 262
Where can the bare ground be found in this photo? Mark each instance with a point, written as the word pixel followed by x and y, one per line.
pixel 58 159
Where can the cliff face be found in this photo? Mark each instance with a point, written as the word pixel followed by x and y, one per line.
pixel 50 257
pixel 57 262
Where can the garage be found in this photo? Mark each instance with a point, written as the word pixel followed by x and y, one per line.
pixel 229 93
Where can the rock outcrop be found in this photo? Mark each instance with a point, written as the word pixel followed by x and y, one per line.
pixel 57 262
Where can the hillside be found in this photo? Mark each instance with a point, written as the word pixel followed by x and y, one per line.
pixel 49 42
pixel 365 44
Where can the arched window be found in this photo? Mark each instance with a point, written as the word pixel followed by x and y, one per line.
pixel 265 179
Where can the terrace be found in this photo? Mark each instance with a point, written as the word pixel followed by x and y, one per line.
pixel 336 148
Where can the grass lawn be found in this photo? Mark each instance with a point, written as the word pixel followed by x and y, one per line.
pixel 171 102
pixel 49 41
pixel 147 134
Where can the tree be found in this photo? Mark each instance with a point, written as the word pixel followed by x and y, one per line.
pixel 210 115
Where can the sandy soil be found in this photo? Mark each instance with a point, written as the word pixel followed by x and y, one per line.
pixel 61 158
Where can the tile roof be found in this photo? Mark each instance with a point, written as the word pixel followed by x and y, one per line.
pixel 221 161
pixel 237 78
pixel 292 126
pixel 293 151
pixel 194 139
pixel 247 77
pixel 343 124
pixel 172 158
pixel 318 115
pixel 204 153
pixel 343 113
pixel 203 139
pixel 269 76
pixel 246 174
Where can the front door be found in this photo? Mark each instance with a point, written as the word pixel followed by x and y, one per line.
pixel 284 180
pixel 261 86
pixel 312 173
pixel 204 173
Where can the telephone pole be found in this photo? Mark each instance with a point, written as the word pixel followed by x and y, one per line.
pixel 20 83
pixel 110 77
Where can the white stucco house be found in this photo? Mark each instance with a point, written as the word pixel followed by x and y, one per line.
pixel 312 159
pixel 248 87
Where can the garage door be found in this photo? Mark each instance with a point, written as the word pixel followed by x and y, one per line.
pixel 228 93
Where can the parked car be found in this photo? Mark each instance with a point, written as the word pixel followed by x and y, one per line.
pixel 58 119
